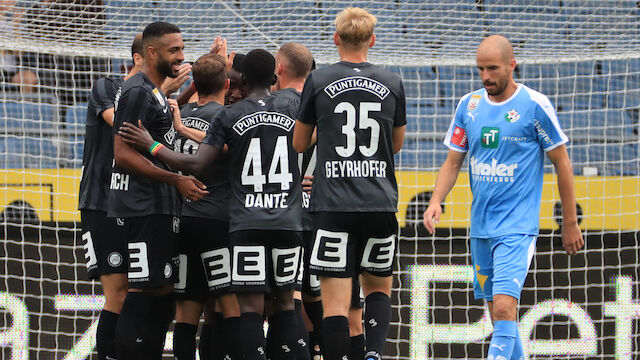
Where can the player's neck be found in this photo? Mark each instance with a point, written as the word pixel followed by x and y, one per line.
pixel 257 92
pixel 506 94
pixel 156 78
pixel 217 98
pixel 353 56
pixel 297 84
pixel 133 71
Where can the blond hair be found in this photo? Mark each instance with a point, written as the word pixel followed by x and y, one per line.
pixel 355 26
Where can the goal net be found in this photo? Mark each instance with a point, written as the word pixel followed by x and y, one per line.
pixel 583 54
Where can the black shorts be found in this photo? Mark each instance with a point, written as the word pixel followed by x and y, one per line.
pixel 310 284
pixel 153 258
pixel 205 260
pixel 347 243
pixel 105 247
pixel 264 260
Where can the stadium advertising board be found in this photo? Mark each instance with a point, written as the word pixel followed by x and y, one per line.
pixel 583 307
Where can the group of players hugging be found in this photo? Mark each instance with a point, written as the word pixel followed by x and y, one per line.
pixel 267 191
pixel 262 185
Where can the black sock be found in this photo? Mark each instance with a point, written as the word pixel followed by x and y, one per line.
pixel 314 346
pixel 204 345
pixel 314 311
pixel 357 347
pixel 284 338
pixel 253 341
pixel 377 315
pixel 336 333
pixel 165 306
pixel 216 343
pixel 303 333
pixel 184 341
pixel 105 335
pixel 134 331
pixel 233 337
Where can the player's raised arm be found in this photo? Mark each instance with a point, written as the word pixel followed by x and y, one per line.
pixel 571 234
pixel 447 177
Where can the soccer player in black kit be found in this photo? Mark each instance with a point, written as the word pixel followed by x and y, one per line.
pixel 358 110
pixel 265 201
pixel 104 243
pixel 143 195
pixel 205 261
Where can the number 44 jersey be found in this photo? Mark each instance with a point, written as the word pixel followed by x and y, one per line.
pixel 263 166
pixel 355 108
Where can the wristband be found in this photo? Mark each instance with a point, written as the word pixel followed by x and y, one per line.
pixel 155 147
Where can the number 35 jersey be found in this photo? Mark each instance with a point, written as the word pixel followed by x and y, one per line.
pixel 355 108
pixel 263 166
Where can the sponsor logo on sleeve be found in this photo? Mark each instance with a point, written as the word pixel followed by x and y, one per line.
pixel 473 102
pixel 158 96
pixel 459 137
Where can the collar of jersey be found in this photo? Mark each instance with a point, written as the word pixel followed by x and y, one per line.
pixel 486 97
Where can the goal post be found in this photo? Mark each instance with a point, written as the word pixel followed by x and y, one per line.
pixel 582 54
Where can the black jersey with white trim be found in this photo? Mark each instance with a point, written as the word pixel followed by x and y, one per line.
pixel 215 205
pixel 355 108
pixel 98 147
pixel 134 195
pixel 263 166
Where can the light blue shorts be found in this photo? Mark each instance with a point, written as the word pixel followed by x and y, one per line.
pixel 501 264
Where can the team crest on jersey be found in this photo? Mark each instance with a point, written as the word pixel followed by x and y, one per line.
pixel 158 96
pixel 356 83
pixel 170 135
pixel 259 118
pixel 512 116
pixel 473 102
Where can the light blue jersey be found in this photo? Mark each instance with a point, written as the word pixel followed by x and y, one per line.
pixel 506 142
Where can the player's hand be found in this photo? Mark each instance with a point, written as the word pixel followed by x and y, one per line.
pixel 175 111
pixel 191 188
pixel 307 182
pixel 431 217
pixel 171 85
pixel 137 136
pixel 572 240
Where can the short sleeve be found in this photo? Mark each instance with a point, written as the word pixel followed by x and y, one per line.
pixel 547 127
pixel 400 118
pixel 307 113
pixel 216 134
pixel 133 105
pixel 456 138
pixel 103 94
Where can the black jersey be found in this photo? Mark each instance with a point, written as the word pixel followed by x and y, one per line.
pixel 134 195
pixel 214 205
pixel 306 162
pixel 355 108
pixel 98 147
pixel 263 166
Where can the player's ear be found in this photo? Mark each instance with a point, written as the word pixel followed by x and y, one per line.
pixel 373 40
pixel 280 69
pixel 336 39
pixel 227 84
pixel 137 59
pixel 512 64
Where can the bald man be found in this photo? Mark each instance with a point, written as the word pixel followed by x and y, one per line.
pixel 506 127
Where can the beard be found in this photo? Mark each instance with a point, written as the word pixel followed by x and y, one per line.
pixel 165 68
pixel 498 88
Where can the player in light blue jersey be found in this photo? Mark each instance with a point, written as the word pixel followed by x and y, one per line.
pixel 506 128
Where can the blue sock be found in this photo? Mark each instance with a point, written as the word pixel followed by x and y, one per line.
pixel 503 339
pixel 518 350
